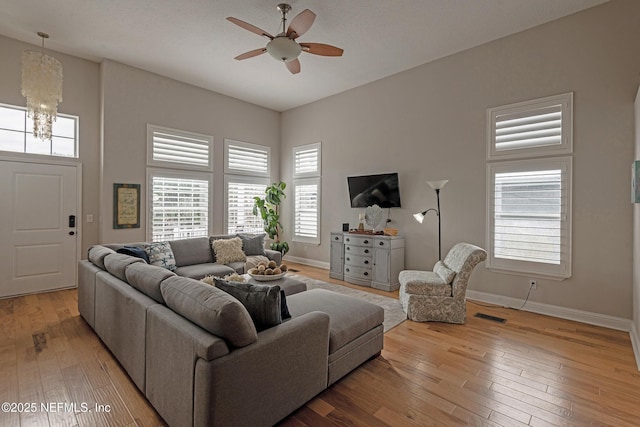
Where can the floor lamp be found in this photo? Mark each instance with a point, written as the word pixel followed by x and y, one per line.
pixel 436 185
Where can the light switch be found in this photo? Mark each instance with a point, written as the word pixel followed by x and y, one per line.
pixel 89 218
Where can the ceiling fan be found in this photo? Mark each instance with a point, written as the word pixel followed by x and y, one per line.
pixel 284 46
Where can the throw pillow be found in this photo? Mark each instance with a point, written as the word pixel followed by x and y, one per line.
pixel 228 250
pixel 134 251
pixel 160 254
pixel 261 301
pixel 445 273
pixel 254 260
pixel 252 244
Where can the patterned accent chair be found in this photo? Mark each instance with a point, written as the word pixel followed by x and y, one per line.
pixel 439 295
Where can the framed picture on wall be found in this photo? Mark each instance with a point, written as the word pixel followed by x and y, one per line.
pixel 126 205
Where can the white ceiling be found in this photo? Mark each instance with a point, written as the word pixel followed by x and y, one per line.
pixel 191 41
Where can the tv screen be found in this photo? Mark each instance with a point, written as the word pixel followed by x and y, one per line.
pixel 367 190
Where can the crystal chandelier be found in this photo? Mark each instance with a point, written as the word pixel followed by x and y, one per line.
pixel 42 86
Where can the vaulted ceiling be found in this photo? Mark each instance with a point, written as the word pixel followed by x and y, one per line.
pixel 191 40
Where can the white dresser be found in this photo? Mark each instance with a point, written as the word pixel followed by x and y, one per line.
pixel 367 260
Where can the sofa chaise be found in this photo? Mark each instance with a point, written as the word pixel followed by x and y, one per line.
pixel 193 350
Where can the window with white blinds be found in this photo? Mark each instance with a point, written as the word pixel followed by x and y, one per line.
pixel 240 193
pixel 529 187
pixel 16 134
pixel 307 167
pixel 178 149
pixel 246 159
pixel 307 210
pixel 178 205
pixel 247 170
pixel 529 218
pixel 307 160
pixel 531 128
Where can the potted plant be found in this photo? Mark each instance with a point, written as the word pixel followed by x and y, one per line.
pixel 267 208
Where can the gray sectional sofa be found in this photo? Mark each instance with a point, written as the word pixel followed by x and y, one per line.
pixel 194 352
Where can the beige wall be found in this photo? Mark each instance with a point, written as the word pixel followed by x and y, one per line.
pixel 636 240
pixel 133 97
pixel 429 123
pixel 81 97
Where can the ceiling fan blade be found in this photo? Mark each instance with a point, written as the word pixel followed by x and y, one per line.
pixel 321 49
pixel 249 27
pixel 251 53
pixel 293 66
pixel 300 24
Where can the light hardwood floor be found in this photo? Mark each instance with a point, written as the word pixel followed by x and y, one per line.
pixel 532 370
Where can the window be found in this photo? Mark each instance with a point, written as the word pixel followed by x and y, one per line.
pixel 178 149
pixel 244 158
pixel 306 192
pixel 247 171
pixel 240 193
pixel 178 194
pixel 529 198
pixel 531 128
pixel 16 134
pixel 529 217
pixel 179 205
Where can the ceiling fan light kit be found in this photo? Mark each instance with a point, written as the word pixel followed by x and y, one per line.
pixel 284 47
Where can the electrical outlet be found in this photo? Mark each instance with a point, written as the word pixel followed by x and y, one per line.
pixel 533 284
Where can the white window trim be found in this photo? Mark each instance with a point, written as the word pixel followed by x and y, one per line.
pixel 76 142
pixel 318 172
pixel 151 172
pixel 550 271
pixel 258 147
pixel 304 239
pixel 151 128
pixel 239 179
pixel 565 147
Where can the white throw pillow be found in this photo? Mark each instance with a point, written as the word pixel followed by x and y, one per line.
pixel 228 250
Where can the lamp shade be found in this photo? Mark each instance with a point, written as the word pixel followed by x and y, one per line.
pixel 437 185
pixel 419 216
pixel 284 49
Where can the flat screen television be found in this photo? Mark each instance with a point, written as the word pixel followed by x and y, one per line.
pixel 367 190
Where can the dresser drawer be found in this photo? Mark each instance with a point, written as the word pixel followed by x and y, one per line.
pixel 358 241
pixel 356 250
pixel 358 260
pixel 357 272
pixel 336 238
pixel 382 243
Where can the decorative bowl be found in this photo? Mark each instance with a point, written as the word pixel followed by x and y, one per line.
pixel 267 278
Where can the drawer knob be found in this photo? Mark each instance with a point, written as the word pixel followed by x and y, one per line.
pixel 347 239
pixel 336 238
pixel 366 261
pixel 381 243
pixel 347 269
pixel 366 251
pixel 366 241
pixel 366 273
pixel 348 259
pixel 347 248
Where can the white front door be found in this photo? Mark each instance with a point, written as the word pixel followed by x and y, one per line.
pixel 38 250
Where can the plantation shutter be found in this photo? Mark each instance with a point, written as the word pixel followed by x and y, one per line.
pixel 247 159
pixel 307 209
pixel 306 172
pixel 183 149
pixel 240 199
pixel 530 216
pixel 180 208
pixel 537 128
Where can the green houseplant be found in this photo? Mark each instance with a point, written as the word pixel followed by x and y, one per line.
pixel 268 209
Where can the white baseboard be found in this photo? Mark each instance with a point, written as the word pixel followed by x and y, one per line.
pixel 635 342
pixel 306 261
pixel 597 319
